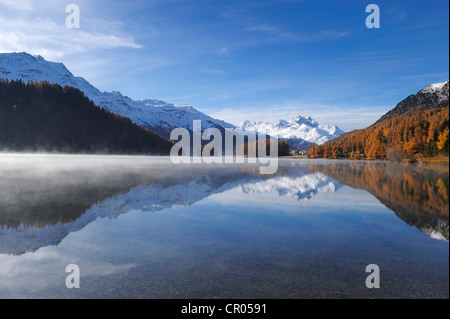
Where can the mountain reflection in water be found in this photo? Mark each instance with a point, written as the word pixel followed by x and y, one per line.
pixel 43 199
pixel 416 194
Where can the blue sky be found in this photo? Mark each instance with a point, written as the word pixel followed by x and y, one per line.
pixel 247 59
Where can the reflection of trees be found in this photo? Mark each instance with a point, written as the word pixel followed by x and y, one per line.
pixel 62 196
pixel 43 208
pixel 418 195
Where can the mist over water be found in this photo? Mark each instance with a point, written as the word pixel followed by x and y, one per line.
pixel 143 227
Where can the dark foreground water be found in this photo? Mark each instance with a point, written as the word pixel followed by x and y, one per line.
pixel 140 227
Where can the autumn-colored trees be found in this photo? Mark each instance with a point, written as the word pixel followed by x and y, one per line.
pixel 442 141
pixel 418 195
pixel 425 132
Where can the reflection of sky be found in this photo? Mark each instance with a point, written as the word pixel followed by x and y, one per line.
pixel 108 249
pixel 252 229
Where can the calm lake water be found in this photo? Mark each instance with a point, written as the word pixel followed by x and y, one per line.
pixel 142 227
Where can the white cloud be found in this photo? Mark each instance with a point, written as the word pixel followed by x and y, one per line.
pixel 23 5
pixel 44 33
pixel 277 33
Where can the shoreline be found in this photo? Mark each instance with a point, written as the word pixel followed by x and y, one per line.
pixel 443 161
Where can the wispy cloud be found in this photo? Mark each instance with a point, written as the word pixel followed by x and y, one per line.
pixel 48 35
pixel 274 32
pixel 397 13
pixel 265 28
pixel 426 76
pixel 214 72
pixel 224 51
pixel 277 33
pixel 22 5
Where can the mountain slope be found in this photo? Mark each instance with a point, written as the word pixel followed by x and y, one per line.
pixel 418 127
pixel 155 115
pixel 298 131
pixel 47 117
pixel 435 95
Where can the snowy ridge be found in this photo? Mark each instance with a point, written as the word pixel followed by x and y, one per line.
pixel 441 89
pixel 156 115
pixel 148 113
pixel 298 128
pixel 301 188
pixel 155 197
pixel 433 87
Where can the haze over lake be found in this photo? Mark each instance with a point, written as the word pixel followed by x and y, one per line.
pixel 143 227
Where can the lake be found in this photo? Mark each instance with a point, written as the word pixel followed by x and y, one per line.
pixel 142 227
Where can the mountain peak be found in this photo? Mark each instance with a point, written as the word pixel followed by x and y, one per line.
pixel 155 115
pixel 247 123
pixel 23 56
pixel 117 93
pixel 436 87
pixel 24 66
pixel 282 123
pixel 307 120
pixel 433 96
pixel 298 131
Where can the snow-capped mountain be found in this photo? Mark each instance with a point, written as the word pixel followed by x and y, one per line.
pixel 440 89
pixel 298 132
pixel 155 115
pixel 433 96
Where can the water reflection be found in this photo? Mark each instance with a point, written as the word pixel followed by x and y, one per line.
pixel 417 194
pixel 43 199
pixel 41 205
pixel 145 228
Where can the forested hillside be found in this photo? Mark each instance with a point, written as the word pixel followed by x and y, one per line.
pixel 44 117
pixel 417 127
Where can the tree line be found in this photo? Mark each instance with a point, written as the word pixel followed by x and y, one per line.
pixel 45 117
pixel 415 133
